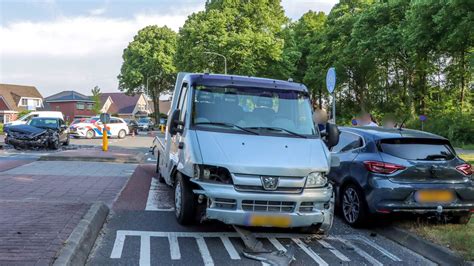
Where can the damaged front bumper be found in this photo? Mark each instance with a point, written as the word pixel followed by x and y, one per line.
pixel 310 207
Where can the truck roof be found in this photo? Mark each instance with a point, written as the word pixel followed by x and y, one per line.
pixel 220 80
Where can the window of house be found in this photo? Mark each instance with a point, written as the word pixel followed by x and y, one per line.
pixel 89 106
pixel 24 102
pixel 37 102
pixel 80 106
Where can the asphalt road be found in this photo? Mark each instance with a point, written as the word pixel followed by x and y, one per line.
pixel 142 230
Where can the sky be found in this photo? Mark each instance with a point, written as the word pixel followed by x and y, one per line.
pixel 77 44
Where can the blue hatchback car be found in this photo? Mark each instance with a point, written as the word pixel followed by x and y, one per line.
pixel 399 170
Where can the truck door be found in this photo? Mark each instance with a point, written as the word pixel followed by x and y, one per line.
pixel 176 139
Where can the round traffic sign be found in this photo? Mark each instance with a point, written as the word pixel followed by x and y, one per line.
pixel 331 79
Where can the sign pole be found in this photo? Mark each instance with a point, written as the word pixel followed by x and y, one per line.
pixel 105 141
pixel 334 107
pixel 331 85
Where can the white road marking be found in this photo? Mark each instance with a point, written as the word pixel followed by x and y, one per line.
pixel 152 202
pixel 144 251
pixel 174 248
pixel 118 245
pixel 277 244
pixel 334 251
pixel 310 252
pixel 206 256
pixel 377 247
pixel 359 251
pixel 230 248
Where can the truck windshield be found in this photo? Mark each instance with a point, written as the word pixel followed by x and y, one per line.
pixel 261 110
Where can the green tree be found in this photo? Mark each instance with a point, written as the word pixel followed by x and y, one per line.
pixel 148 64
pixel 96 98
pixel 247 33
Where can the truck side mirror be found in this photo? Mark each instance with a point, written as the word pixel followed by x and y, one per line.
pixel 332 135
pixel 175 123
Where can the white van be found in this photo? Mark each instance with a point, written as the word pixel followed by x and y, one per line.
pixel 22 120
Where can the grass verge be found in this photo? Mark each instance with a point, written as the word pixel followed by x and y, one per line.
pixel 459 238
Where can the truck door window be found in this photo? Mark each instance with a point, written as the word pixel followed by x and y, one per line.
pixel 182 101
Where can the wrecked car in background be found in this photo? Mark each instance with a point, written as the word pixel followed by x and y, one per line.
pixel 39 132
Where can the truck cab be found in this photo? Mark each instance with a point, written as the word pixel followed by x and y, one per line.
pixel 245 151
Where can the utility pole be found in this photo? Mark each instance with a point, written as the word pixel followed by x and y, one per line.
pixel 225 60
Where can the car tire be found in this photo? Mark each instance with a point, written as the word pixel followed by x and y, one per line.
pixel 90 134
pixel 353 206
pixel 56 145
pixel 184 203
pixel 461 219
pixel 121 134
pixel 68 140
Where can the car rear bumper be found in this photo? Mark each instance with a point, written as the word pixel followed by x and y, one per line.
pixel 233 207
pixel 386 196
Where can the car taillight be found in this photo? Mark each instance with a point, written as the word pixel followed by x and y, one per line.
pixel 382 168
pixel 465 168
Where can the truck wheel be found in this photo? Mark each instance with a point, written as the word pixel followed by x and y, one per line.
pixel 68 140
pixel 184 202
pixel 160 178
pixel 90 134
pixel 353 206
pixel 122 134
pixel 461 219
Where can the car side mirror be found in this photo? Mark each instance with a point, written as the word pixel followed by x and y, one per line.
pixel 175 123
pixel 331 135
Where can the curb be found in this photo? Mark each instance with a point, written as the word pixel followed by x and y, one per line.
pixel 137 159
pixel 78 245
pixel 429 250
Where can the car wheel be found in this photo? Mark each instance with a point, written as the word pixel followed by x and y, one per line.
pixel 184 202
pixel 353 206
pixel 90 134
pixel 122 134
pixel 56 144
pixel 461 219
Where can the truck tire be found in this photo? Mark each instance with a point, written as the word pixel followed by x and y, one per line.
pixel 68 140
pixel 160 178
pixel 184 202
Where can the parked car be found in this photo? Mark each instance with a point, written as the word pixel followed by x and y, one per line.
pixel 244 151
pixel 92 128
pixel 132 125
pixel 39 132
pixel 24 119
pixel 145 124
pixel 399 170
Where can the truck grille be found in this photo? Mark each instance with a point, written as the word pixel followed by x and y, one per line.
pixel 306 206
pixel 245 188
pixel 268 206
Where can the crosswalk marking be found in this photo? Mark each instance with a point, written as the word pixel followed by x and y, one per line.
pixel 359 251
pixel 174 248
pixel 334 251
pixel 152 202
pixel 277 244
pixel 351 241
pixel 310 252
pixel 206 256
pixel 377 247
pixel 230 248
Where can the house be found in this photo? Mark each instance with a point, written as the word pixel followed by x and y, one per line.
pixel 17 98
pixel 72 104
pixel 125 106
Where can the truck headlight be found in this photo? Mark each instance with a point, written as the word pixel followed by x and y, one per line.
pixel 316 179
pixel 212 173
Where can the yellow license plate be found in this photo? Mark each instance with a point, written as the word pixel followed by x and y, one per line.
pixel 270 220
pixel 430 196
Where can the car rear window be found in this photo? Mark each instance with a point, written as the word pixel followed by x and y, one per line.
pixel 418 149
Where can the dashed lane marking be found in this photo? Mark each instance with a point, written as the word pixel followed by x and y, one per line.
pixel 350 241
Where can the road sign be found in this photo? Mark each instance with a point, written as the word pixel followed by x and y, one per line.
pixel 104 118
pixel 423 118
pixel 331 80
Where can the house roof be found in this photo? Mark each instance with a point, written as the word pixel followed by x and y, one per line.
pixel 68 96
pixel 125 103
pixel 12 94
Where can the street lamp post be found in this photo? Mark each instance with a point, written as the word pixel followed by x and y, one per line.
pixel 225 60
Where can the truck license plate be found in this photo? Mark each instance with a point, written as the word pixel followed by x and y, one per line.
pixel 270 220
pixel 431 196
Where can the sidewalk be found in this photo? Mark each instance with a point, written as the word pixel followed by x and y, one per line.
pixel 41 203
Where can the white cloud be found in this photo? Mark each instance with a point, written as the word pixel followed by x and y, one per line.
pixel 97 11
pixel 296 8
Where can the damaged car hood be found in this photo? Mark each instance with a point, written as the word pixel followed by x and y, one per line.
pixel 25 130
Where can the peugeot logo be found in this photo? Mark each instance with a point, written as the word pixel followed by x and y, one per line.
pixel 269 182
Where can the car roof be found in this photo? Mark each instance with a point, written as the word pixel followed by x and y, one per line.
pixel 45 117
pixel 390 133
pixel 221 80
